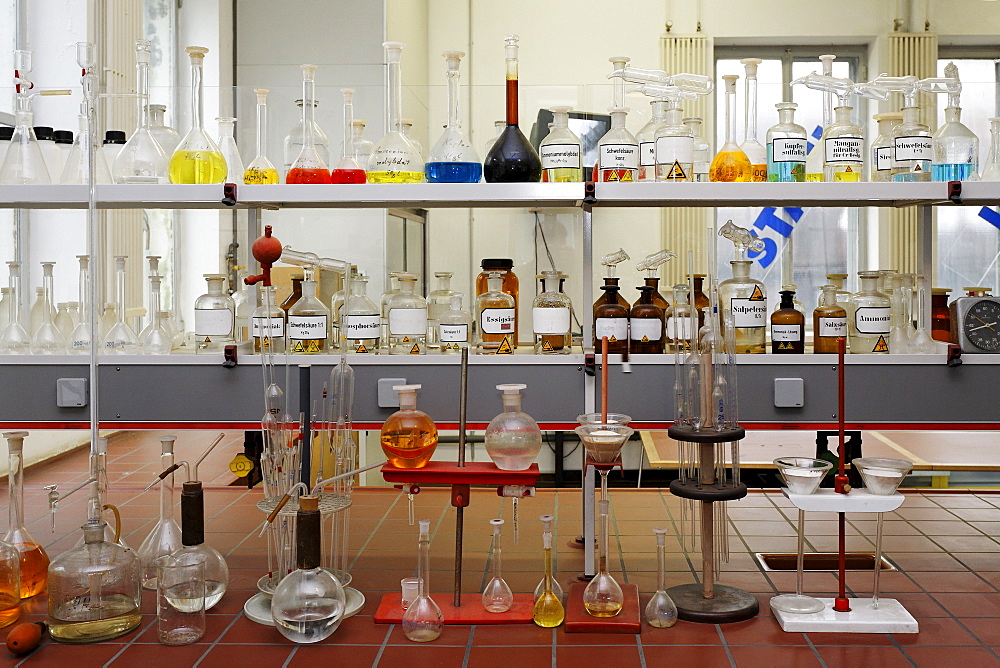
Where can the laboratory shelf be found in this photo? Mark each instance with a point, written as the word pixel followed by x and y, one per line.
pixel 114 196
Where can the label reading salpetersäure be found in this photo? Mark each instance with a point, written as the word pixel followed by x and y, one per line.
pixel 674 149
pixel 306 327
pixel 788 149
pixel 616 329
pixel 550 320
pixel 646 329
pixel 872 319
pixel 844 149
pixel 263 328
pixel 647 153
pixel 557 156
pixel 832 327
pixel 619 156
pixel 497 321
pixel 679 329
pixel 408 321
pixel 213 322
pixel 912 148
pixel 786 332
pixel 360 327
pixel 882 157
pixel 453 333
pixel 749 313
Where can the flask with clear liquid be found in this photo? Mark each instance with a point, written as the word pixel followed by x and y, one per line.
pixel 47 339
pixel 991 168
pixel 452 158
pixel 551 319
pixel 362 147
pixel 141 159
pixel 407 319
pixel 261 170
pixel 79 339
pixel 870 320
pixel 34 560
pixel 165 537
pixel 843 148
pixel 912 148
pixel 618 151
pixel 155 338
pixel 455 327
pixel 512 158
pixel 881 149
pixel 661 612
pixel 394 159
pixel 193 547
pixel 409 436
pixel 308 326
pixel 348 169
pixel 755 152
pixel 513 439
pixel 214 316
pixel 360 327
pixel 786 147
pixel 548 611
pixel 295 140
pixel 197 159
pixel 702 151
pixel 309 603
pixel 120 339
pixel 561 152
pixel 76 167
pixel 497 596
pixel 23 164
pixel 829 321
pixel 730 163
pixel 166 136
pixel 495 314
pixel 438 301
pixel 646 137
pixel 423 621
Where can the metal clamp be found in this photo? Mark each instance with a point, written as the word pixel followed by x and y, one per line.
pixel 589 193
pixel 955 192
pixel 954 354
pixel 590 364
pixel 230 355
pixel 229 194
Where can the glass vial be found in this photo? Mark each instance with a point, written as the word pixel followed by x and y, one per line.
pixel 407 319
pixel 551 317
pixel 786 147
pixel 409 436
pixel 788 327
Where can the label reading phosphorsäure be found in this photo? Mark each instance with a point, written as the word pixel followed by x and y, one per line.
pixel 267 327
pixel 844 149
pixel 550 320
pixel 616 329
pixel 646 329
pixel 453 333
pixel 558 156
pixel 213 322
pixel 749 313
pixel 497 321
pixel 674 149
pixel 912 148
pixel 832 327
pixel 619 156
pixel 408 321
pixel 306 327
pixel 883 159
pixel 361 327
pixel 788 149
pixel 872 319
pixel 786 332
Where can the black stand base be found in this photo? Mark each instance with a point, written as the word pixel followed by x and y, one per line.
pixel 729 605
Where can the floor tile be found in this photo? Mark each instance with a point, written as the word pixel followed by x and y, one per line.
pixel 952 582
pixel 522 657
pixel 511 634
pixel 681 655
pixel 760 631
pixel 584 656
pixel 965 605
pixel 847 656
pixel 786 657
pixel 247 656
pixel 156 655
pixel 938 631
pixel 331 652
pixel 422 655
pixel 952 656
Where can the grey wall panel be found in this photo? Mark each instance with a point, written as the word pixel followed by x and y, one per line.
pixel 29 392
pixel 645 394
pixel 756 392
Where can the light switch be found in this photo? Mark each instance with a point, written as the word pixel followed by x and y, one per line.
pixel 71 392
pixel 789 393
pixel 387 397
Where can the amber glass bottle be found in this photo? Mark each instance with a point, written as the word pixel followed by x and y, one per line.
pixel 611 320
pixel 940 315
pixel 829 321
pixel 509 285
pixel 646 324
pixel 294 297
pixel 700 299
pixel 788 327
pixel 603 299
pixel 654 282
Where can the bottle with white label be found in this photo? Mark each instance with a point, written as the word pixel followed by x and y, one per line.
pixel 391 290
pixel 495 314
pixel 678 320
pixel 361 324
pixel 829 321
pixel 337 311
pixel 618 151
pixel 561 151
pixel 912 148
pixel 308 326
pixel 788 327
pixel 214 316
pixel 647 140
pixel 843 149
pixel 646 321
pixel 702 151
pixel 611 320
pixel 407 319
pixel 746 298
pixel 871 316
pixel 267 324
pixel 786 147
pixel 550 317
pixel 881 149
pixel 674 147
pixel 455 327
pixel 438 301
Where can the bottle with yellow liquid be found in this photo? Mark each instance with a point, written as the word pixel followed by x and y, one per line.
pixel 843 148
pixel 34 560
pixel 261 170
pixel 755 151
pixel 548 611
pixel 730 163
pixel 409 437
pixel 10 591
pixel 197 158
pixel 395 159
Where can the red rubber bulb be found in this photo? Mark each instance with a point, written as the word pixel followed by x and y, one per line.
pixel 23 638
pixel 266 249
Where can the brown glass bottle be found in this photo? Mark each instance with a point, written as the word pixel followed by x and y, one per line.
pixel 788 327
pixel 295 296
pixel 654 282
pixel 700 299
pixel 611 320
pixel 829 321
pixel 646 324
pixel 509 285
pixel 603 299
pixel 940 315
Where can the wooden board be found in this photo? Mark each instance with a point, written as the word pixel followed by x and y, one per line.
pixel 626 621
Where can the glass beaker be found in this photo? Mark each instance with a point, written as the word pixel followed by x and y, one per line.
pixel 197 159
pixel 260 169
pixel 452 158
pixel 423 621
pixel 34 560
pixel 165 537
pixel 548 611
pixel 730 163
pixel 409 436
pixel 513 439
pixel 180 600
pixel 512 158
pixel 661 613
pixel 347 169
pixel 394 159
pixel 497 596
pixel 10 584
pixel 229 150
pixel 141 159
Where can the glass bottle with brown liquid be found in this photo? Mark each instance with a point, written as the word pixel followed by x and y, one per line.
pixel 829 321
pixel 509 284
pixel 646 324
pixel 700 299
pixel 34 560
pixel 788 327
pixel 611 320
pixel 295 295
pixel 409 437
pixel 940 315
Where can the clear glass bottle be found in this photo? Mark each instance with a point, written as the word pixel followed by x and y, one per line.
pixel 513 439
pixel 309 603
pixel 611 320
pixel 64 321
pixel 166 136
pixel 407 319
pixel 79 340
pixel 95 590
pixel 510 285
pixel 881 149
pixel 165 537
pixel 512 158
pixel 843 148
pixel 956 149
pixel 730 163
pixel 495 315
pixel 310 165
pixel 455 327
pixel 294 139
pixel 197 159
pixel 829 321
pixel 214 316
pixel 267 324
pixel 747 299
pixel 551 317
pixel 391 289
pixel 678 321
pixel 362 147
pixel 10 584
pixel 394 159
pixel 870 319
pixel 23 164
pixel 47 339
pixel 603 596
pixel 308 325
pixel 646 321
pixel 991 168
pixel 15 339
pixel 142 159
pixel 423 621
pixel 112 144
pixel 261 170
pixel 786 147
pixel 561 152
pixel 348 169
pixel 360 330
pixel 755 152
pixel 34 560
pixel 120 339
pixel 438 301
pixel 37 309
pixel 661 613
pixel 646 137
pixel 193 547
pixel 155 338
pixel 788 327
pixel 618 151
pixel 674 146
pixel 452 158
pixel 409 436
pixel 548 611
pixel 702 151
pixel 912 148
pixel 50 150
pixel 497 596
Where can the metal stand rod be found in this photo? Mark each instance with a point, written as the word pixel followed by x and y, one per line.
pixel 306 425
pixel 706 472
pixel 463 401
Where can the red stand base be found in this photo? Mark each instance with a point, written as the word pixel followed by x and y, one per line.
pixel 471 612
pixel 626 621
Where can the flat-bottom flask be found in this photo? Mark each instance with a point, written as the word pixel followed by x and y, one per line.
pixel 497 596
pixel 603 596
pixel 423 621
pixel 548 611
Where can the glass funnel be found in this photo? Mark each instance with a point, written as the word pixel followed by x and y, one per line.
pixel 141 159
pixel 229 150
pixel 120 339
pixel 497 596
pixel 348 170
pixel 603 442
pixel 730 163
pixel 423 621
pixel 452 158
pixel 548 611
pixel 197 159
pixel 882 475
pixel 661 613
pixel 409 436
pixel 394 159
pixel 47 339
pixel 14 340
pixel 23 164
pixel 512 158
pixel 34 560
pixel 165 538
pixel 260 169
pixel 802 475
pixel 513 439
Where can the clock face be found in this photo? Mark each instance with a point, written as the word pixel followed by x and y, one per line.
pixel 982 325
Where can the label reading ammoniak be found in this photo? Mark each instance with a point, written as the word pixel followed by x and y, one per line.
pixel 749 313
pixel 912 148
pixel 556 156
pixel 361 327
pixel 872 319
pixel 497 320
pixel 844 149
pixel 832 327
pixel 619 156
pixel 786 332
pixel 789 149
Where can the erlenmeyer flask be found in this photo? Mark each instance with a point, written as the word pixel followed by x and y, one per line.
pixel 197 158
pixel 165 538
pixel 497 596
pixel 394 159
pixel 154 338
pixel 23 164
pixel 452 159
pixel 14 340
pixel 166 136
pixel 142 159
pixel 309 166
pixel 79 340
pixel 260 169
pixel 227 145
pixel 423 621
pixel 348 170
pixel 120 339
pixel 661 612
pixel 47 339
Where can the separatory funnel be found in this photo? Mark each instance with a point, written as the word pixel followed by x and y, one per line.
pixel 395 159
pixel 197 159
pixel 512 158
pixel 513 439
pixel 452 158
pixel 497 596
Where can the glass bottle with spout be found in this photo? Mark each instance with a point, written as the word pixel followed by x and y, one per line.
pixel 423 621
pixel 512 158
pixel 395 159
pixel 34 560
pixel 141 159
pixel 409 436
pixel 752 148
pixel 786 147
pixel 261 170
pixel 497 596
pixel 730 163
pixel 347 169
pixel 452 158
pixel 197 158
pixel 309 166
pixel 561 151
pixel 513 439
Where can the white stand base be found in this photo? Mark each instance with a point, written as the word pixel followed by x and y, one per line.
pixel 889 617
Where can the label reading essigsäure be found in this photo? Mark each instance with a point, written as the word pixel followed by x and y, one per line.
pixel 550 320
pixel 786 332
pixel 912 148
pixel 788 149
pixel 619 156
pixel 306 327
pixel 749 313
pixel 832 327
pixel 614 328
pixel 408 321
pixel 267 328
pixel 213 322
pixel 645 329
pixel 453 333
pixel 844 149
pixel 496 321
pixel 556 156
pixel 883 158
pixel 674 149
pixel 361 327
pixel 872 319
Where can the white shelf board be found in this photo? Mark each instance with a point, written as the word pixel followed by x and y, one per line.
pixel 889 617
pixel 113 196
pixel 855 501
pixel 413 195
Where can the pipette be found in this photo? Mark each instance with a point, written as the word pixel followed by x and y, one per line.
pixel 613 259
pixel 697 83
pixel 742 239
pixel 654 260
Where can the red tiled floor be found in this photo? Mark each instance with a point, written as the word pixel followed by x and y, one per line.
pixel 329 654
pixel 682 633
pixel 847 656
pixel 939 631
pixel 416 655
pixel 965 605
pixel 521 657
pixel 154 656
pixel 583 656
pixel 708 657
pixel 952 656
pixel 512 634
pixel 760 631
pixel 247 656
pixel 786 657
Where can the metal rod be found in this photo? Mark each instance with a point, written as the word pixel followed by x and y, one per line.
pixel 459 526
pixel 305 442
pixel 463 401
pixel 706 474
pixel 841 604
pixel 604 380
